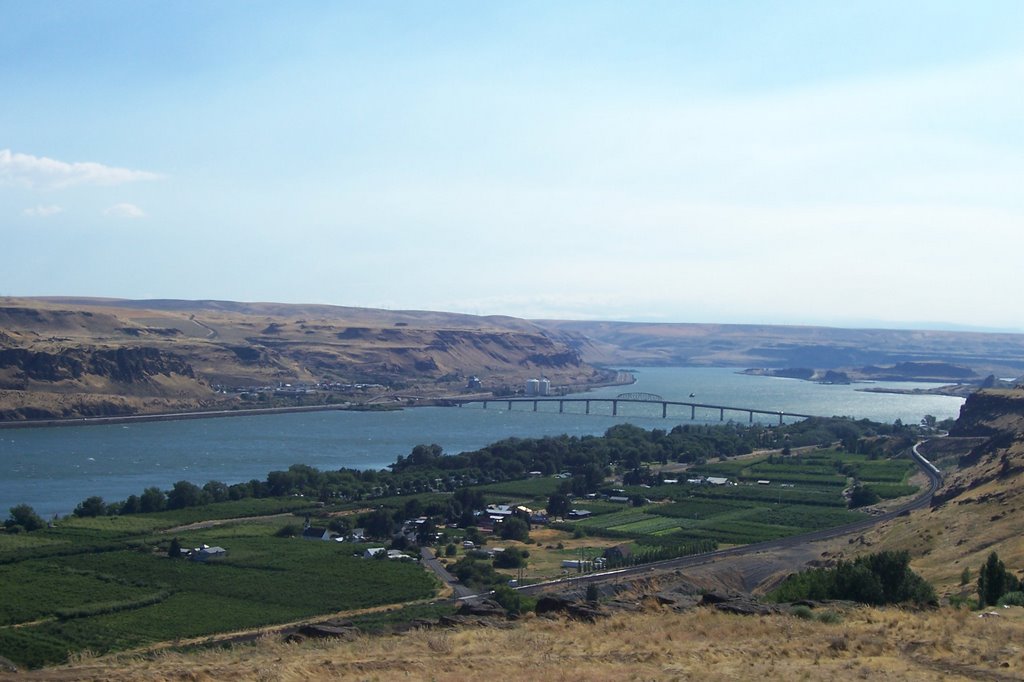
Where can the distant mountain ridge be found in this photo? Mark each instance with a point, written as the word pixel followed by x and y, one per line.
pixel 779 347
pixel 76 356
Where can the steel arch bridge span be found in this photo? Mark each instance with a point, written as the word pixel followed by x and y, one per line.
pixel 648 397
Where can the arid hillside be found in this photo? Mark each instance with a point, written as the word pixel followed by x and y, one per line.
pixel 91 357
pixel 980 507
pixel 862 353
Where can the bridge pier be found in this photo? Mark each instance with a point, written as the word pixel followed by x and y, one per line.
pixel 751 417
pixel 485 405
pixel 780 419
pixel 664 410
pixel 510 406
pixel 693 412
pixel 534 405
pixel 615 408
pixel 561 406
pixel 721 414
pixel 588 406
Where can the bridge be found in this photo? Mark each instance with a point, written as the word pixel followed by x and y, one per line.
pixel 631 398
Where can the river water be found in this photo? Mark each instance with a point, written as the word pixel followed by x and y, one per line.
pixel 54 468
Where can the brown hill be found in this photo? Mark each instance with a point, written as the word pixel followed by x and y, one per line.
pixel 82 357
pixel 866 353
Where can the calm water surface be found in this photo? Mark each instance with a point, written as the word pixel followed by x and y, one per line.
pixel 55 468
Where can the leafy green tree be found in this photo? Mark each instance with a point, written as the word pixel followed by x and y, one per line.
pixel 508 598
pixel 340 525
pixel 133 505
pixel 511 558
pixel 380 523
pixel 883 578
pixel 24 516
pixel 185 494
pixel 91 506
pixel 559 505
pixel 514 528
pixel 862 496
pixel 216 491
pixel 994 581
pixel 152 500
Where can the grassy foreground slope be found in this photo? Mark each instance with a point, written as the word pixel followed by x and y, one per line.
pixel 876 644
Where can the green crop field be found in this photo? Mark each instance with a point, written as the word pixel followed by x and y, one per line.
pixel 112 590
pixel 803 494
pixel 529 488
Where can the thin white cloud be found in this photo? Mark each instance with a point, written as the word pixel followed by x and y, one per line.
pixel 45 173
pixel 42 211
pixel 125 210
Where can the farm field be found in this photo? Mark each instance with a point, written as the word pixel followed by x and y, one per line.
pixel 111 585
pixel 766 497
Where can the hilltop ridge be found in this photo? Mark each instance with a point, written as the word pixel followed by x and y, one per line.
pixel 69 357
pixel 73 357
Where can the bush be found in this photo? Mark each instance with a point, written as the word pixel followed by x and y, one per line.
pixel 802 611
pixel 26 517
pixel 862 496
pixel 509 599
pixel 511 558
pixel 830 617
pixel 1012 599
pixel 289 530
pixel 882 578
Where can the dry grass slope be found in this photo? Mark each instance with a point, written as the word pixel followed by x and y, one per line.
pixel 871 644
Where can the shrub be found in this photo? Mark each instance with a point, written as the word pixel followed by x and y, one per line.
pixel 1012 599
pixel 830 617
pixel 509 599
pixel 289 530
pixel 802 611
pixel 882 578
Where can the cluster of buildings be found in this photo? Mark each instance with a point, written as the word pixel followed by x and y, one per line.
pixel 539 387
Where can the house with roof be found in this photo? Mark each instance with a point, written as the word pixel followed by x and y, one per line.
pixel 205 553
pixel 316 533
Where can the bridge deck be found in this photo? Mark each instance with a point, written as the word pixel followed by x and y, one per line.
pixel 615 401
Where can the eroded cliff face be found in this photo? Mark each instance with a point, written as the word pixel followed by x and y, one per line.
pixel 20 367
pixel 991 412
pixel 170 356
pixel 998 416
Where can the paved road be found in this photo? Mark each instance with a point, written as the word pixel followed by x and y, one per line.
pixel 435 565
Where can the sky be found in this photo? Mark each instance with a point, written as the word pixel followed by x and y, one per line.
pixel 837 163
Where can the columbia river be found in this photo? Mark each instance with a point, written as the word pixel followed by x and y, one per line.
pixel 55 468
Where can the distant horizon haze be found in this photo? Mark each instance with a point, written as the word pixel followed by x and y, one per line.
pixel 840 164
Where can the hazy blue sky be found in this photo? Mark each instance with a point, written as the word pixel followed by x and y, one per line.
pixel 796 162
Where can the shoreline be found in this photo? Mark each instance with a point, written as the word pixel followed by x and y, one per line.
pixel 179 416
pixel 438 401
